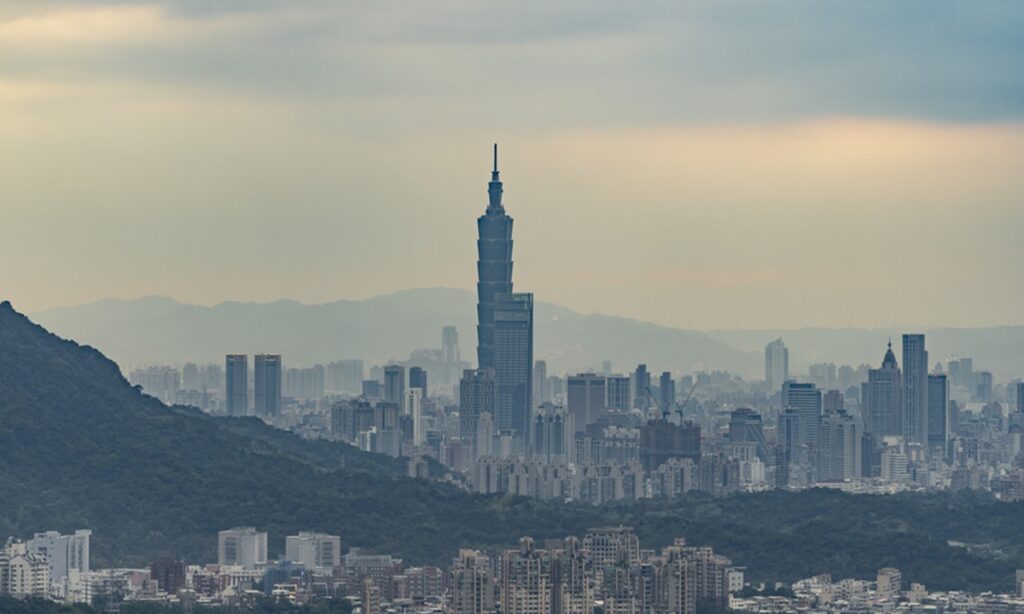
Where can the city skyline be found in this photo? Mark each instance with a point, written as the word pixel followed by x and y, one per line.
pixel 751 155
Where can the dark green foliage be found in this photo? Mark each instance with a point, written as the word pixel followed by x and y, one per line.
pixel 81 448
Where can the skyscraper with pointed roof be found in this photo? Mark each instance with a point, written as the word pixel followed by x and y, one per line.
pixel 504 319
pixel 494 265
pixel 882 398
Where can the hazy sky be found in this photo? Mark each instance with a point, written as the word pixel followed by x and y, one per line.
pixel 707 164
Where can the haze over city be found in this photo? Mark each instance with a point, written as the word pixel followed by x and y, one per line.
pixel 323 307
pixel 712 165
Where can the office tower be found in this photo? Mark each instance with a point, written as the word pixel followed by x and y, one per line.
pixel 64 553
pixel 477 391
pixel 806 400
pixel 641 387
pixel 314 550
pixel 512 337
pixel 394 384
pixel 450 345
pixel 839 448
pixel 371 389
pixel 267 384
pixel 667 391
pixel 472 589
pixel 190 376
pixel 788 437
pixel 938 412
pixel 418 379
pixel 981 389
pixel 745 427
pixel 242 546
pixel 661 440
pixel 776 365
pixel 236 384
pixel 1020 396
pixel 586 399
pixel 915 389
pixel 617 393
pixel 169 574
pixel 494 266
pixel 414 408
pixel 833 402
pixel 526 580
pixel 540 383
pixel 882 398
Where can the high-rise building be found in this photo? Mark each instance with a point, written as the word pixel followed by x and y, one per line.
pixel 476 397
pixel 641 387
pixel 418 379
pixel 839 448
pixel 394 384
pixel 64 553
pixel 915 389
pixel 472 589
pixel 661 440
pixel 745 427
pixel 243 546
pixel 938 411
pixel 541 393
pixel 833 401
pixel 667 391
pixel 450 345
pixel 617 393
pixel 236 384
pixel 267 384
pixel 513 365
pixel 805 399
pixel 314 550
pixel 607 546
pixel 414 408
pixel 882 398
pixel 776 365
pixel 587 398
pixel 494 266
pixel 526 575
pixel 1020 396
pixel 553 434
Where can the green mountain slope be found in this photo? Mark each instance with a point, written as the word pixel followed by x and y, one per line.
pixel 81 448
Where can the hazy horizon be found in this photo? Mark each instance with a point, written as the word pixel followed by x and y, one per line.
pixel 707 166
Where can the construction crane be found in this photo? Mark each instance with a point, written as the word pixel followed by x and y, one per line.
pixel 665 410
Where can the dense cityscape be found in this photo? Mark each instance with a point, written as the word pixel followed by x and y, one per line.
pixel 511 428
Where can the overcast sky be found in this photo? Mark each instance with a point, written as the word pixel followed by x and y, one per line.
pixel 705 164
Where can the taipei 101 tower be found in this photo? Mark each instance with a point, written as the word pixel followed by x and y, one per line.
pixel 494 266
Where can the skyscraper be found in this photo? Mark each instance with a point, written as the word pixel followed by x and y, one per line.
pixel 617 392
pixel 494 266
pixel 414 408
pixel 938 411
pixel 915 389
pixel 839 449
pixel 882 398
pixel 667 390
pixel 394 384
pixel 450 353
pixel 476 396
pixel 540 383
pixel 587 398
pixel 641 387
pixel 267 384
pixel 513 365
pixel 418 379
pixel 805 399
pixel 236 384
pixel 776 365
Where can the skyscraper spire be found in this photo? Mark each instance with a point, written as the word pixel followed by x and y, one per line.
pixel 494 188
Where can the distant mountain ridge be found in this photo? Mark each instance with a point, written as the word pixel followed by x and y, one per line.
pixel 382 328
pixel 388 327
